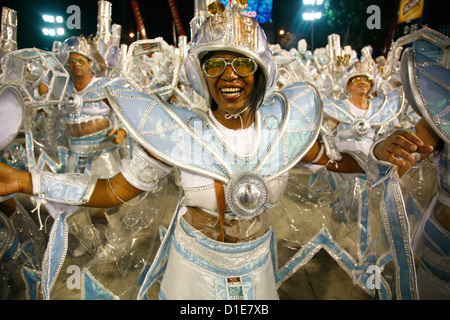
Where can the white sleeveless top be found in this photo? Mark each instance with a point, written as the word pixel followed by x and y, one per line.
pixel 345 139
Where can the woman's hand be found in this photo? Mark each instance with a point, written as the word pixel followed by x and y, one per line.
pixel 12 181
pixel 120 135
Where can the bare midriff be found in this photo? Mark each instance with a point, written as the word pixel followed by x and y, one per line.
pixel 88 127
pixel 234 230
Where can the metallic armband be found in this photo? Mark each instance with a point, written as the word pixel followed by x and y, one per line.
pixel 329 141
pixel 376 169
pixel 142 171
pixel 70 188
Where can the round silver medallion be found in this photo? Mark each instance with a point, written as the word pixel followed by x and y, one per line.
pixel 246 195
pixel 360 128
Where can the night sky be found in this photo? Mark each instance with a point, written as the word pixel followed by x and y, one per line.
pixel 157 18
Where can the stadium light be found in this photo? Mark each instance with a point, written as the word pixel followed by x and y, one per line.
pixel 313 11
pixel 312 15
pixel 48 18
pixel 313 2
pixel 53 26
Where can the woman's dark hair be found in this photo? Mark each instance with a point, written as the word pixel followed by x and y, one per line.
pixel 258 93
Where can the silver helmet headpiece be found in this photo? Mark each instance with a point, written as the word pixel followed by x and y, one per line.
pixel 362 68
pixel 227 29
pixel 79 45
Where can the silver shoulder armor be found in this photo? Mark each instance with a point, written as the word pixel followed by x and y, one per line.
pixel 142 171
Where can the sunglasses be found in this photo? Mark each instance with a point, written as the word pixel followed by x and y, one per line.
pixel 80 61
pixel 244 67
pixel 359 80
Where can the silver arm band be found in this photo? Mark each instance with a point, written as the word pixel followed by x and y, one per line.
pixel 319 155
pixel 377 170
pixel 69 188
pixel 329 142
pixel 142 171
pixel 374 159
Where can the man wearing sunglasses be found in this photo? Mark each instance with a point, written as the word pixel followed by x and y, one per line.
pixel 352 124
pixel 360 87
pixel 357 118
pixel 94 136
pixel 94 139
pixel 79 67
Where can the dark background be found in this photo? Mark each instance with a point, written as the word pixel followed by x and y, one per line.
pixel 286 16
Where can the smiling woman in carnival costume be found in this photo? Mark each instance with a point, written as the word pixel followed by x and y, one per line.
pixel 234 160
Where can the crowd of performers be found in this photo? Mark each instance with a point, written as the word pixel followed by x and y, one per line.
pixel 97 136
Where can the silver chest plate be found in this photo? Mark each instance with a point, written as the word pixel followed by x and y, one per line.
pixel 360 128
pixel 246 195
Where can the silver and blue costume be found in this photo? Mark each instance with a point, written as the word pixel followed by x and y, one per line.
pixel 383 110
pixel 426 84
pixel 287 126
pixel 355 132
pixel 188 263
pixel 95 152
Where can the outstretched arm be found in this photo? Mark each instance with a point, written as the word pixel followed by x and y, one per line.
pixel 12 181
pixel 139 173
pixel 106 193
pixel 112 192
